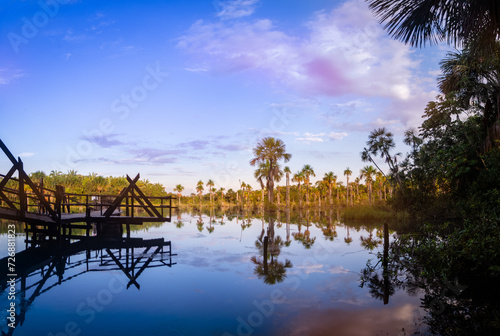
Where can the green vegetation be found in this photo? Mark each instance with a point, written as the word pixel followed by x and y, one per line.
pixel 449 182
pixel 370 212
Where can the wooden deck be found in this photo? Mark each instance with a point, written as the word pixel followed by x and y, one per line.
pixel 51 213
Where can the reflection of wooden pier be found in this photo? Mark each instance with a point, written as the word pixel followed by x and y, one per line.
pixel 52 214
pixel 40 269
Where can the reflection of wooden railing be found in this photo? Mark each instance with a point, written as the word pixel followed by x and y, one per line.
pixel 41 269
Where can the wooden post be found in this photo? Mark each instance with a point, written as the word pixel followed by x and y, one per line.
pixel 22 194
pixel 59 195
pixel 132 203
pixel 127 210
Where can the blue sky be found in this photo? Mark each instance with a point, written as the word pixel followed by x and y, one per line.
pixel 182 90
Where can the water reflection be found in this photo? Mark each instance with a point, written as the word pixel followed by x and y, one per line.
pixel 267 266
pixel 222 273
pixel 40 269
pixel 466 305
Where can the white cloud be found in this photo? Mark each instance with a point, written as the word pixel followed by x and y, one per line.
pixel 337 135
pixel 26 154
pixel 310 139
pixel 344 51
pixel 8 75
pixel 233 9
pixel 320 137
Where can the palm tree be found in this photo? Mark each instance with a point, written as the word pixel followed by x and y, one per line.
pixel 210 185
pixel 299 178
pixel 179 188
pixel 431 21
pixel 339 187
pixel 287 172
pixel 475 81
pixel 307 171
pixel 249 189
pixel 259 174
pixel 347 173
pixel 270 150
pixel 367 173
pixel 330 180
pixel 320 186
pixel 380 142
pixel 222 196
pixel 243 187
pixel 379 177
pixel 356 181
pixel 199 189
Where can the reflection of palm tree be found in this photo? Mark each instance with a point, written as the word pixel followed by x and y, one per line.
pixel 276 270
pixel 304 238
pixel 370 242
pixel 347 239
pixel 210 228
pixel 199 223
pixel 329 232
pixel 269 268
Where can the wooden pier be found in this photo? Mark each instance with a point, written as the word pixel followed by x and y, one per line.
pixel 54 214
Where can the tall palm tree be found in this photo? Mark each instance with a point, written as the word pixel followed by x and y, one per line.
pixel 379 177
pixel 287 171
pixel 356 181
pixel 347 173
pixel 418 22
pixel 179 188
pixel 210 185
pixel 475 81
pixel 199 189
pixel 222 196
pixel 320 186
pixel 243 187
pixel 339 187
pixel 380 142
pixel 260 173
pixel 272 151
pixel 249 189
pixel 367 173
pixel 299 178
pixel 330 180
pixel 307 171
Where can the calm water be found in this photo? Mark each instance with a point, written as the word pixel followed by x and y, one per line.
pixel 219 283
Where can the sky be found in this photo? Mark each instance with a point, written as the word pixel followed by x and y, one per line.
pixel 181 91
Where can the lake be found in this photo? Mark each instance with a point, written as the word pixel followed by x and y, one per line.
pixel 229 274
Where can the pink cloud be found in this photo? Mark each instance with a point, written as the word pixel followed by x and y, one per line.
pixel 343 51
